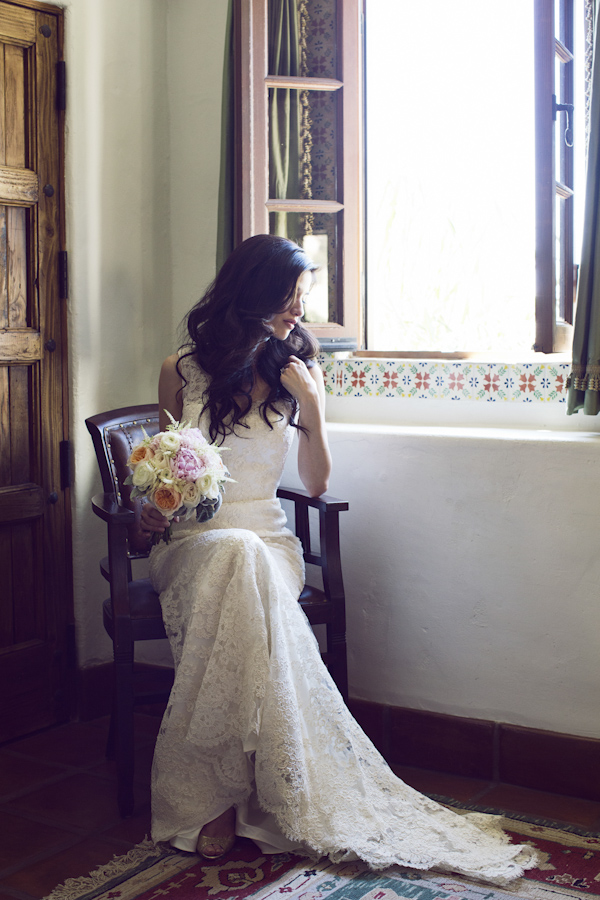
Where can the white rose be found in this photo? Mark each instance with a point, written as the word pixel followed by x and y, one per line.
pixel 144 475
pixel 191 494
pixel 162 472
pixel 160 461
pixel 169 442
pixel 209 486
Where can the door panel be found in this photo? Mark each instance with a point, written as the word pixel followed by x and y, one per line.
pixel 35 600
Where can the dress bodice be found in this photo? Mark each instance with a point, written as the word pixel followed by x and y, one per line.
pixel 255 455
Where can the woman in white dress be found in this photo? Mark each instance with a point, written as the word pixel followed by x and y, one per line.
pixel 256 739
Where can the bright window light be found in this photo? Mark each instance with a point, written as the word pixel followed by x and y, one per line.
pixel 450 175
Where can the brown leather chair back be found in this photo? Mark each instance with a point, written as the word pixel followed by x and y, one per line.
pixel 115 434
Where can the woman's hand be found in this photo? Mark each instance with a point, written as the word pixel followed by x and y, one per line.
pixel 152 521
pixel 296 379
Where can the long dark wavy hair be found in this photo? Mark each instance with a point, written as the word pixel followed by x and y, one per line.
pixel 230 337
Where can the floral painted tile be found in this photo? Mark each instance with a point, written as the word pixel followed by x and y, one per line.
pixel 428 379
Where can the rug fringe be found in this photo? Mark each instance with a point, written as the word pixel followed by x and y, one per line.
pixel 118 865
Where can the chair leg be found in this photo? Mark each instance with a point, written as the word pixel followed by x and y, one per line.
pixel 123 731
pixel 110 740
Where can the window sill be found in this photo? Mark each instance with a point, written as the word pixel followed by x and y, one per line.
pixel 462 355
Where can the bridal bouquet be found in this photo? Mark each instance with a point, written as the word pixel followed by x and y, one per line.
pixel 179 473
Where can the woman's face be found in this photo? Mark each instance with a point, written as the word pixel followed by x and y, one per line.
pixel 283 322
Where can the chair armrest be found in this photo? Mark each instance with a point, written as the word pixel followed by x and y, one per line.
pixel 107 507
pixel 324 503
pixel 329 508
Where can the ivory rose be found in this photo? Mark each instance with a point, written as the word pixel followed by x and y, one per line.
pixel 191 495
pixel 144 475
pixel 161 461
pixel 209 486
pixel 169 442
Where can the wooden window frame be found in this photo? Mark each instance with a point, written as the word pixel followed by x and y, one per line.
pixel 252 164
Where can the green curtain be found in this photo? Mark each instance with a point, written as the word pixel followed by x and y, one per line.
pixel 284 109
pixel 285 117
pixel 225 219
pixel 584 380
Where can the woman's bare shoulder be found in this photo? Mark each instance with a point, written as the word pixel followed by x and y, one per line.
pixel 169 366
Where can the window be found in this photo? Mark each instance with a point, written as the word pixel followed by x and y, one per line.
pixel 301 166
pixel 470 200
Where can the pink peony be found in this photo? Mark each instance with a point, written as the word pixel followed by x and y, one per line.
pixel 187 466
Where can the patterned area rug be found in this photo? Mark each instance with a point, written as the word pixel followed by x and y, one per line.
pixel 570 868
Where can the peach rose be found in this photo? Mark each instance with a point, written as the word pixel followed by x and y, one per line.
pixel 140 454
pixel 166 499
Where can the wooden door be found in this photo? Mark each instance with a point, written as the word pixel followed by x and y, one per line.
pixel 35 579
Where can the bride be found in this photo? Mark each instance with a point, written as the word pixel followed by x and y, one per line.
pixel 256 740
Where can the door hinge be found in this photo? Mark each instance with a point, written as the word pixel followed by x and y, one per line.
pixel 61 85
pixel 63 275
pixel 65 464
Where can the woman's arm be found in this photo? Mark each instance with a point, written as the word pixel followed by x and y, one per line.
pixel 314 458
pixel 169 398
pixel 169 392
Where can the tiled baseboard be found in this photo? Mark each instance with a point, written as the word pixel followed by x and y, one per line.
pixel 475 748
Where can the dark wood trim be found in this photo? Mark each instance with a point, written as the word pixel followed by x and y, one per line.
pixel 544 176
pixel 38 6
pixel 476 748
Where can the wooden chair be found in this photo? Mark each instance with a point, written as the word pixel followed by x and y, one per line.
pixel 132 612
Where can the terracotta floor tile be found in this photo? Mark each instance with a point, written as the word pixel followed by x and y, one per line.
pixel 17 773
pixel 75 744
pixel 133 829
pixel 20 839
pixel 585 813
pixel 82 801
pixel 453 786
pixel 81 859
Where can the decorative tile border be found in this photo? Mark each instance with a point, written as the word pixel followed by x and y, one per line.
pixel 464 380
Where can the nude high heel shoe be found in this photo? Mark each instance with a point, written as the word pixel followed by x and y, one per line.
pixel 225 843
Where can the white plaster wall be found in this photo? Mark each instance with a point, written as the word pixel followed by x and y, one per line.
pixel 471 568
pixel 144 95
pixel 196 44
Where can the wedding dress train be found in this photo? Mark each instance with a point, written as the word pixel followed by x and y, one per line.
pixel 254 719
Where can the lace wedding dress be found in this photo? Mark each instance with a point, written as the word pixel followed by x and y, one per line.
pixel 254 719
